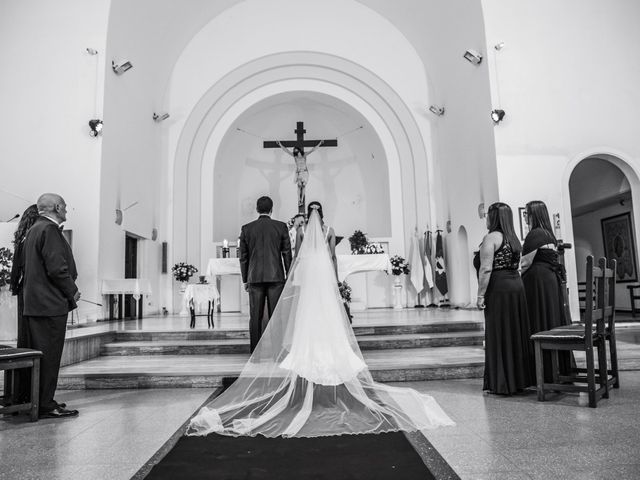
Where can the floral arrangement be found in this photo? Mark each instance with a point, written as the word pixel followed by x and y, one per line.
pixel 360 245
pixel 345 291
pixel 373 247
pixel 6 260
pixel 399 265
pixel 358 241
pixel 182 272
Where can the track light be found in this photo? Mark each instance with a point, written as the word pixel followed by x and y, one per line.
pixel 436 110
pixel 96 127
pixel 497 115
pixel 473 57
pixel 119 69
pixel 159 118
pixel 499 46
pixel 92 51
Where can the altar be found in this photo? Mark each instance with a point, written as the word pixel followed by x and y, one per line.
pixel 366 274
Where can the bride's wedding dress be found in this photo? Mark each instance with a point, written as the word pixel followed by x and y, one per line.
pixel 307 377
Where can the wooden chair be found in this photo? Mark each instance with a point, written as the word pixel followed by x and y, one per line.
pixel 596 331
pixel 12 359
pixel 633 296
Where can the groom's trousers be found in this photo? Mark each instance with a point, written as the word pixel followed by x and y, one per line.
pixel 259 294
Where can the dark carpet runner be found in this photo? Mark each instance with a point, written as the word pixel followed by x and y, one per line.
pixel 353 457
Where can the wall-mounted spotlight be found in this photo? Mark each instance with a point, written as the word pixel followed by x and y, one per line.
pixel 96 127
pixel 497 115
pixel 473 57
pixel 120 68
pixel 499 46
pixel 436 110
pixel 92 51
pixel 159 118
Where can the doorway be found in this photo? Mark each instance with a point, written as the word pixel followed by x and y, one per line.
pixel 130 271
pixel 603 223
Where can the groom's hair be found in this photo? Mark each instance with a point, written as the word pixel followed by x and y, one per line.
pixel 264 205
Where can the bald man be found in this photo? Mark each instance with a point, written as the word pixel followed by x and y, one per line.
pixel 50 293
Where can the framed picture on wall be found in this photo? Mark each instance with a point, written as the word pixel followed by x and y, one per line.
pixel 619 245
pixel 524 226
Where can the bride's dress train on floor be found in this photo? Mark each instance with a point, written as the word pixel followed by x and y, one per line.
pixel 307 377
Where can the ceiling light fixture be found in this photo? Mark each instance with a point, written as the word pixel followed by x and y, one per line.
pixel 120 68
pixel 436 110
pixel 497 115
pixel 159 118
pixel 96 127
pixel 473 57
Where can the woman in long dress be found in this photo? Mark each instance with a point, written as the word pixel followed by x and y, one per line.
pixel 542 275
pixel 23 377
pixel 507 368
pixel 307 377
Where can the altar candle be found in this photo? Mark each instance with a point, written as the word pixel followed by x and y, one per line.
pixel 225 244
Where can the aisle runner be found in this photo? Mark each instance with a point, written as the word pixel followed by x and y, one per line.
pixel 387 455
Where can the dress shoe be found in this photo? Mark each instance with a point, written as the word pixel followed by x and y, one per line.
pixel 59 412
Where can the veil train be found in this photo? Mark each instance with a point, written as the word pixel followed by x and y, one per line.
pixel 307 377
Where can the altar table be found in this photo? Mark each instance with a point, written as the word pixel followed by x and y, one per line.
pixel 125 286
pixel 347 265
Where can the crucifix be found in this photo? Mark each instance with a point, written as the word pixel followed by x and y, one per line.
pixel 300 157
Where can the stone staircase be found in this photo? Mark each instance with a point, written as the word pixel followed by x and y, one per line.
pixel 204 358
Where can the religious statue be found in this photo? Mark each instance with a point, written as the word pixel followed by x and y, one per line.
pixel 301 177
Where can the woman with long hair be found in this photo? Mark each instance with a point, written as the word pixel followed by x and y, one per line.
pixel 507 368
pixel 327 231
pixel 17 273
pixel 307 377
pixel 543 275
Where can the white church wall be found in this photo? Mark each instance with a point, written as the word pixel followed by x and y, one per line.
pixel 462 139
pixel 186 81
pixel 50 88
pixel 566 90
pixel 352 184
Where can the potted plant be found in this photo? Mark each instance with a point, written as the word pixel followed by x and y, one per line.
pixel 399 266
pixel 182 272
pixel 358 242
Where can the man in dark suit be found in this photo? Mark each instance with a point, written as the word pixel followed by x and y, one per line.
pixel 50 292
pixel 265 258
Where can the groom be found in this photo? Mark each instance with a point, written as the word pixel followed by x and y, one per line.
pixel 265 258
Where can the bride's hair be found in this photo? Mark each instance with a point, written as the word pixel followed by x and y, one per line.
pixel 314 206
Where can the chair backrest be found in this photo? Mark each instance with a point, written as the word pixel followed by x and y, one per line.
pixel 600 311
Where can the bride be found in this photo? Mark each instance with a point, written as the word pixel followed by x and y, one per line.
pixel 307 377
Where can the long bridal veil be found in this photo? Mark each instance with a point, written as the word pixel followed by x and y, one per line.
pixel 307 377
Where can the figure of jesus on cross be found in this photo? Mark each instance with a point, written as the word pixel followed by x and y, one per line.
pixel 301 177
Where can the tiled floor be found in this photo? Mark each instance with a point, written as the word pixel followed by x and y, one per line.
pixel 495 437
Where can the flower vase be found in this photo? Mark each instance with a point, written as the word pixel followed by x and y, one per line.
pixel 182 289
pixel 397 292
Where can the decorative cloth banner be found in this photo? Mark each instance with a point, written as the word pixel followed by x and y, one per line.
pixel 428 248
pixel 417 269
pixel 441 272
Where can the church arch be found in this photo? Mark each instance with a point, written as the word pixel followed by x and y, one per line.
pixel 582 227
pixel 405 141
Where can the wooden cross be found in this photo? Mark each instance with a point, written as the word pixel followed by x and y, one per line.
pixel 300 142
pixel 302 173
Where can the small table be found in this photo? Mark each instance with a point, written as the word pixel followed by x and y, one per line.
pixel 125 286
pixel 196 295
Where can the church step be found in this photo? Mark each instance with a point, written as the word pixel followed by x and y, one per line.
pixel 240 345
pixel 219 334
pixel 208 371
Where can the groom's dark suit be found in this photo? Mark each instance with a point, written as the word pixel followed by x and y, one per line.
pixel 265 258
pixel 49 290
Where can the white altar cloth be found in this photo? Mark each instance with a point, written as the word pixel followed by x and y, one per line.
pixel 126 286
pixel 347 264
pixel 199 295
